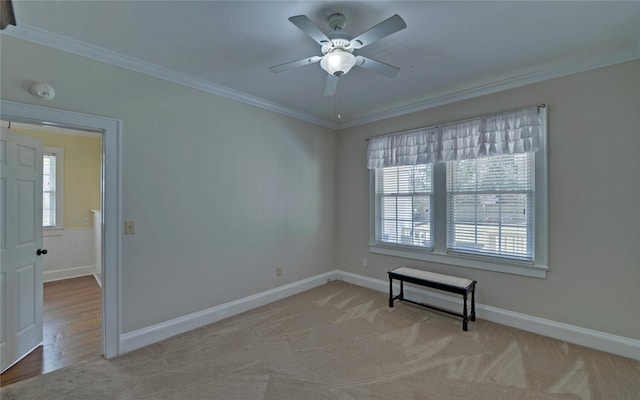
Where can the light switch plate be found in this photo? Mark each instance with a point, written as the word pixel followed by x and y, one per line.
pixel 129 227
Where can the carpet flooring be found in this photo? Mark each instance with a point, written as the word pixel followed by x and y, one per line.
pixel 343 342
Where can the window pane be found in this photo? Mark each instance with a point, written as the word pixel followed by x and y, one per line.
pixel 490 206
pixel 405 184
pixel 46 210
pixel 500 173
pixel 389 181
pixel 49 190
pixel 389 231
pixel 389 207
pixel 403 205
pixel 422 221
pixel 405 210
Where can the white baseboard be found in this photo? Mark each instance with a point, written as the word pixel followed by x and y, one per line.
pixel 98 278
pixel 619 345
pixel 130 341
pixel 67 273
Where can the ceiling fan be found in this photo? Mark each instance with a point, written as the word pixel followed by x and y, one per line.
pixel 337 50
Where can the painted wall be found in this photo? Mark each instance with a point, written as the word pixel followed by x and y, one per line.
pixel 82 159
pixel 70 253
pixel 222 193
pixel 594 192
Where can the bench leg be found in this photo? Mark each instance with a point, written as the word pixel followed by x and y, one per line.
pixel 400 296
pixel 390 292
pixel 473 304
pixel 465 319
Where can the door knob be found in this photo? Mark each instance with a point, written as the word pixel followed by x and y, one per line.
pixel 41 251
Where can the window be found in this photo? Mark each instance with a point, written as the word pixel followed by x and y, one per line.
pixel 476 197
pixel 49 190
pixel 490 204
pixel 52 187
pixel 403 205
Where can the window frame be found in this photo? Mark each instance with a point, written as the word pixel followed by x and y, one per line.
pixel 58 152
pixel 538 268
pixel 525 192
pixel 410 195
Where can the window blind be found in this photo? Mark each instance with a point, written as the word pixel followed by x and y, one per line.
pixel 404 198
pixel 490 206
pixel 49 190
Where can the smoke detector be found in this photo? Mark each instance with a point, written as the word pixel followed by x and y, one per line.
pixel 42 90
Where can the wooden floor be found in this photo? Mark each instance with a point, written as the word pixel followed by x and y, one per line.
pixel 72 329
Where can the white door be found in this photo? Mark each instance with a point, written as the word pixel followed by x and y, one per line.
pixel 20 246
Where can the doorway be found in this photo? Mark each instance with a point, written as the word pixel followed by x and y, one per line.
pixel 71 233
pixel 110 182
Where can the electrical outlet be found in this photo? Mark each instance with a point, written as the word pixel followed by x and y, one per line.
pixel 129 227
pixel 279 271
pixel 364 261
pixel 85 220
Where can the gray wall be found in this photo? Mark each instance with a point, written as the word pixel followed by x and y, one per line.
pixel 594 198
pixel 222 193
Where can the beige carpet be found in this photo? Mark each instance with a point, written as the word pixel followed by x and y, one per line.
pixel 343 342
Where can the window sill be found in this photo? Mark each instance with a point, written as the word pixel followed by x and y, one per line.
pixel 536 271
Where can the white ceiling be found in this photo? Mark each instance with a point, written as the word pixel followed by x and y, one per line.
pixel 449 50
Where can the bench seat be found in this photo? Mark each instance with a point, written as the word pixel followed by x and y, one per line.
pixel 447 283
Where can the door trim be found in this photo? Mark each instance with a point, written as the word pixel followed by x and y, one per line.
pixel 111 201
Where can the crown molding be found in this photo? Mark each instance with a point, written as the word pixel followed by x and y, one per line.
pixel 552 71
pixel 80 48
pixel 63 43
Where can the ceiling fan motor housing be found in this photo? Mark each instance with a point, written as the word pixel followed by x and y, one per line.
pixel 337 43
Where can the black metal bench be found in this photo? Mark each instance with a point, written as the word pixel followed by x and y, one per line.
pixel 436 281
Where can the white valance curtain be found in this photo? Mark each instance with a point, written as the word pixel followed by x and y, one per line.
pixel 509 132
pixel 408 148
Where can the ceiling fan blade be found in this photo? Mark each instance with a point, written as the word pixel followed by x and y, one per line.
pixel 7 17
pixel 308 27
pixel 293 64
pixel 376 66
pixel 331 86
pixel 385 28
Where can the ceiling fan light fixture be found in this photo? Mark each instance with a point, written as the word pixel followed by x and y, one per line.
pixel 338 62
